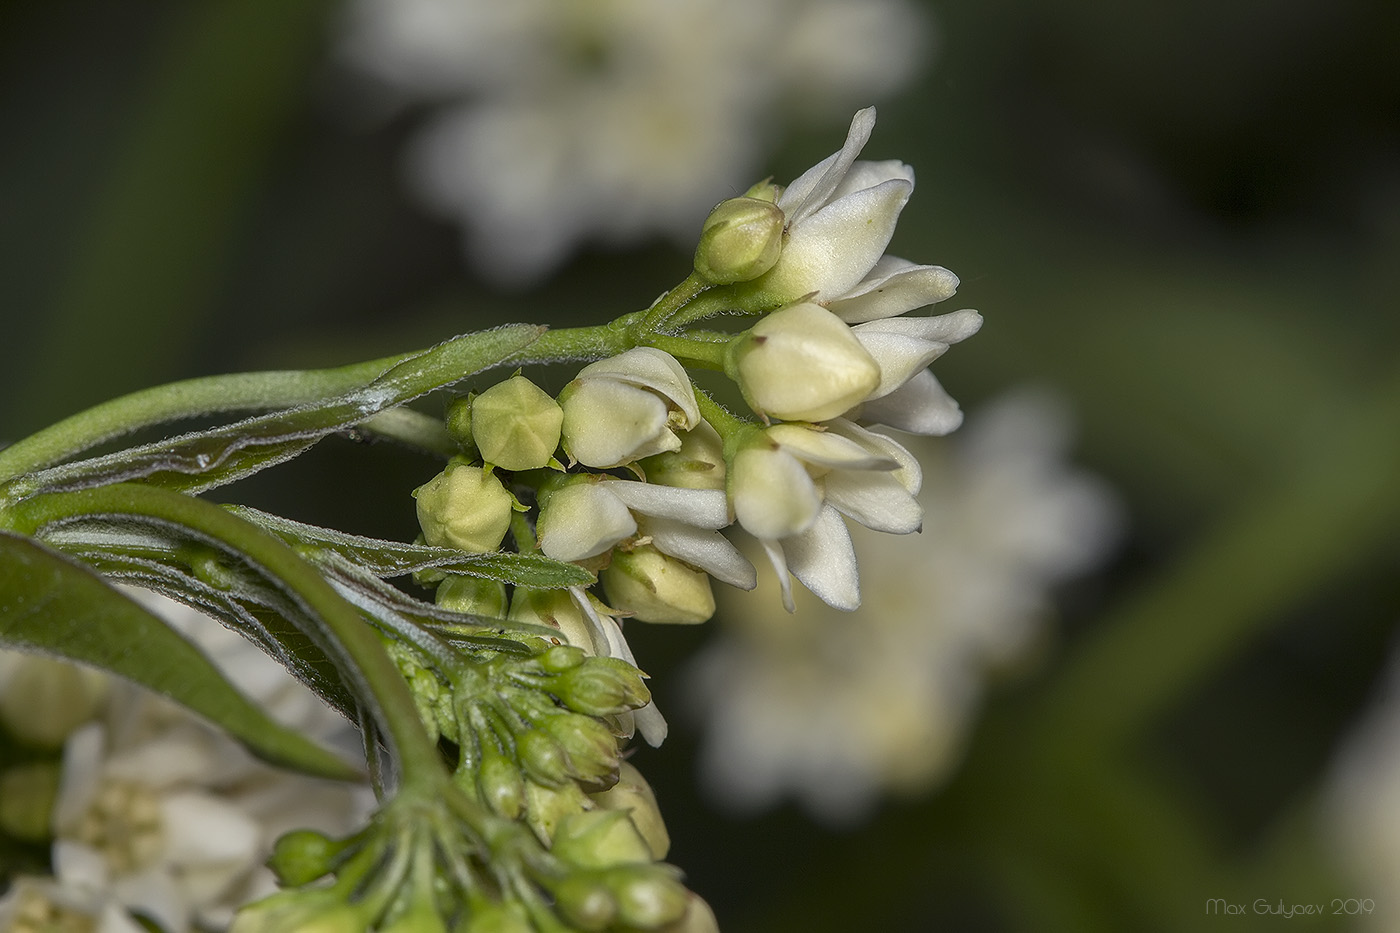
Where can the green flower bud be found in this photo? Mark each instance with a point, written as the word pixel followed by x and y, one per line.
pixel 421 917
pixel 600 839
pixel 698 918
pixel 765 191
pixel 562 658
pixel 740 240
pixel 633 795
pixel 472 595
pixel 458 419
pixel 697 464
pixel 802 363
pixel 499 781
pixel 542 758
pixel 303 855
pixel 464 507
pixel 516 425
pixel 586 903
pixel 496 918
pixel 547 806
pixel 554 608
pixel 648 896
pixel 653 587
pixel 591 747
pixel 42 700
pixel 27 795
pixel 601 687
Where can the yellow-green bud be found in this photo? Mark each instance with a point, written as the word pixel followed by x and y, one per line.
pixel 765 191
pixel 802 363
pixel 601 687
pixel 697 464
pixel 648 896
pixel 542 758
pixel 740 240
pixel 562 658
pixel 516 425
pixel 698 918
pixel 653 587
pixel 500 783
pixel 600 839
pixel 633 795
pixel 586 903
pixel 591 748
pixel 555 608
pixel 42 700
pixel 458 419
pixel 27 795
pixel 473 595
pixel 464 507
pixel 421 917
pixel 546 806
pixel 496 918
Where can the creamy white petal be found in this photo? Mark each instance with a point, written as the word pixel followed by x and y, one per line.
pixel 898 356
pixel 813 187
pixel 774 496
pixel 835 248
pixel 653 369
pixel 910 472
pixel 920 406
pixel 893 287
pixel 778 559
pixel 708 550
pixel 824 559
pixel 827 449
pixel 867 174
pixel 878 501
pixel 704 508
pixel 608 422
pixel 648 720
pixel 583 520
pixel 949 328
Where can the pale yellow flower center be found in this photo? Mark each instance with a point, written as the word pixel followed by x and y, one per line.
pixel 124 824
pixel 37 914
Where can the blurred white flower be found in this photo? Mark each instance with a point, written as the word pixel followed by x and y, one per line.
pixel 613 119
pixel 1361 807
pixel 164 814
pixel 45 905
pixel 835 708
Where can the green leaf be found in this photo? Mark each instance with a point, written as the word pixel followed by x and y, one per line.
pixel 395 559
pixel 203 460
pixel 52 605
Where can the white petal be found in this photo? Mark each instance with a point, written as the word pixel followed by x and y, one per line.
pixel 773 494
pixel 704 508
pixel 827 449
pixel 80 776
pixel 867 174
pixel 825 561
pixel 813 187
pixel 920 406
pixel 894 287
pixel 583 520
pixel 835 248
pixel 708 550
pixel 201 830
pixel 953 327
pixel 778 559
pixel 878 501
pixel 650 368
pixel 648 720
pixel 898 356
pixel 910 472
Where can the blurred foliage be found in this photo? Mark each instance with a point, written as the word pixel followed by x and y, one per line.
pixel 1184 217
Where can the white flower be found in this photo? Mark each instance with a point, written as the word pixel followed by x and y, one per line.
pixel 584 520
pixel 835 708
pixel 909 397
pixel 617 119
pixel 627 407
pixel 47 905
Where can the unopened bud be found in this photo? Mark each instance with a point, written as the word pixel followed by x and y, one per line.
pixel 627 407
pixel 802 363
pixel 496 918
pixel 561 658
pixel 303 855
pixel 516 425
pixel 499 781
pixel 600 839
pixel 740 240
pixel 42 700
pixel 473 596
pixel 458 419
pixel 633 795
pixel 601 687
pixel 648 896
pixel 586 903
pixel 653 587
pixel 554 608
pixel 590 745
pixel 547 806
pixel 464 507
pixel 421 917
pixel 542 758
pixel 697 464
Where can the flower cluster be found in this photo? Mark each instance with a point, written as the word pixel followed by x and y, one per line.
pixel 836 710
pixel 562 121
pixel 153 813
pixel 656 468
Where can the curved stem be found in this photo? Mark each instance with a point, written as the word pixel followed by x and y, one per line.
pixel 363 660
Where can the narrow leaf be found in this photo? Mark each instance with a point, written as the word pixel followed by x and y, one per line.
pixel 52 605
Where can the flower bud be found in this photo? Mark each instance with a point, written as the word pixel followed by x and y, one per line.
pixel 554 608
pixel 303 855
pixel 599 839
pixel 633 795
pixel 774 495
pixel 516 425
pixel 496 918
pixel 542 758
pixel 601 687
pixel 472 595
pixel 697 464
pixel 464 507
pixel 653 587
pixel 585 902
pixel 561 658
pixel 421 917
pixel 648 896
pixel 740 240
pixel 42 699
pixel 582 520
pixel 802 363
pixel 458 420
pixel 698 918
pixel 627 407
pixel 547 806
pixel 27 796
pixel 499 782
pixel 590 746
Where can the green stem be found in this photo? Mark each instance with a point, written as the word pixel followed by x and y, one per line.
pixel 707 353
pixel 659 314
pixel 365 664
pixel 733 429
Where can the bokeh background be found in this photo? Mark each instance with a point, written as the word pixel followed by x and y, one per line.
pixel 1183 218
